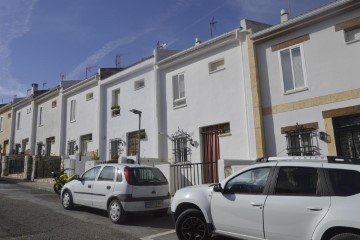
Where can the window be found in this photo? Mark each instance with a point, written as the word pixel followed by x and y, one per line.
pixel 41 116
pixel 179 90
pixel 28 110
pixel 139 84
pixel 53 104
pixel 71 147
pixel 49 143
pixel 115 104
pixel 89 96
pixel 181 150
pixel 107 174
pixel 72 110
pixel 216 66
pixel 292 69
pixel 133 142
pixel 352 35
pixel 40 150
pixel 297 181
pixel 115 148
pixel 300 142
pixel 1 124
pixel 85 140
pixel 250 182
pixel 344 182
pixel 9 115
pixel 18 121
pixel 91 174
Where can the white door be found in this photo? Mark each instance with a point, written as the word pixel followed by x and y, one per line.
pixel 296 206
pixel 238 210
pixel 82 190
pixel 103 187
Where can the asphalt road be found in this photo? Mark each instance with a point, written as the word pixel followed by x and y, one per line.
pixel 27 214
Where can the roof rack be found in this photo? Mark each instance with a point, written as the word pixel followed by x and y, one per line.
pixel 343 160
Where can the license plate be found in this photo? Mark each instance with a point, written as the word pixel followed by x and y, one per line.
pixel 153 204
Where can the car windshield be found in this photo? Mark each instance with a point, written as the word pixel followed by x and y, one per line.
pixel 148 176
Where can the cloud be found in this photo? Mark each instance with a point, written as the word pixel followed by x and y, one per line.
pixel 14 23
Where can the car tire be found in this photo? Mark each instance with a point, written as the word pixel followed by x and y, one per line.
pixel 67 200
pixel 116 212
pixel 191 224
pixel 346 236
pixel 57 188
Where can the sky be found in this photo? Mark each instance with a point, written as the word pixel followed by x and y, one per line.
pixel 44 41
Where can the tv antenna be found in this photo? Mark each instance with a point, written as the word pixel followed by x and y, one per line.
pixel 212 26
pixel 62 76
pixel 44 85
pixel 289 8
pixel 118 60
pixel 88 70
pixel 160 45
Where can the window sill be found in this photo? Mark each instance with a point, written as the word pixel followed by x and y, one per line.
pixel 72 121
pixel 296 90
pixel 181 106
pixel 352 41
pixel 225 135
pixel 218 70
pixel 139 88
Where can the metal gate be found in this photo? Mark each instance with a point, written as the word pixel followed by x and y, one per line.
pixel 46 165
pixel 189 174
pixel 347 136
pixel 16 165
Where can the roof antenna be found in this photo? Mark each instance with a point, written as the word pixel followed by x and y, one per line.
pixel 118 61
pixel 290 8
pixel 44 85
pixel 62 76
pixel 160 45
pixel 88 70
pixel 212 26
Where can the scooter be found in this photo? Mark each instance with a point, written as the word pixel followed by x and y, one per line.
pixel 61 178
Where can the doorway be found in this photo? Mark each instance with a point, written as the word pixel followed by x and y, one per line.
pixel 347 135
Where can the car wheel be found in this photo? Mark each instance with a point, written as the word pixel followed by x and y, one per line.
pixel 116 212
pixel 57 188
pixel 191 224
pixel 346 236
pixel 67 201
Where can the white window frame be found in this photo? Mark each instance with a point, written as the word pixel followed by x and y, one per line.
pixel 73 110
pixel 136 84
pixel 349 31
pixel 298 89
pixel 41 116
pixel 218 69
pixel 115 97
pixel 181 101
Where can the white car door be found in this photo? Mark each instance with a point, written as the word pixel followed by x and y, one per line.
pixel 238 209
pixel 82 191
pixel 103 187
pixel 296 204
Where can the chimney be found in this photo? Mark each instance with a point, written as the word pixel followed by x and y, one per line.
pixel 197 41
pixel 284 15
pixel 34 87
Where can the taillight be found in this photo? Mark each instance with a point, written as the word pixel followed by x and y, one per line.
pixel 128 175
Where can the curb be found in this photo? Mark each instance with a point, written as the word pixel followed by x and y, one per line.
pixel 46 186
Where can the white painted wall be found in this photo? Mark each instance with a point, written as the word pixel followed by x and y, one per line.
pixel 50 126
pixel 331 67
pixel 143 99
pixel 87 114
pixel 212 98
pixel 26 123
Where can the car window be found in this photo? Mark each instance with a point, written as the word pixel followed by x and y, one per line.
pixel 345 182
pixel 118 175
pixel 148 176
pixel 91 174
pixel 107 174
pixel 297 181
pixel 250 182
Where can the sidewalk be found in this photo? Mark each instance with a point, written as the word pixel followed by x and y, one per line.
pixel 43 184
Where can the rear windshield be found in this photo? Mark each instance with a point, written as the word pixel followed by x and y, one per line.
pixel 148 176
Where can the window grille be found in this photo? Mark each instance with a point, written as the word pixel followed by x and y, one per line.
pixel 180 141
pixel 300 142
pixel 115 148
pixel 71 147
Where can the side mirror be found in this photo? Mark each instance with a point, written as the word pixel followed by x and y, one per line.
pixel 217 188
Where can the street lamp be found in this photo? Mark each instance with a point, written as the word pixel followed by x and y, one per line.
pixel 139 113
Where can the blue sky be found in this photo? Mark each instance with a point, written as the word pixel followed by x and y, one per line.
pixel 42 39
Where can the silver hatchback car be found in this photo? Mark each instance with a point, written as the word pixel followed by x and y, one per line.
pixel 119 189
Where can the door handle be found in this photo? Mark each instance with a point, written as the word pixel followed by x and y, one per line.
pixel 89 186
pixel 256 204
pixel 315 209
pixel 108 187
